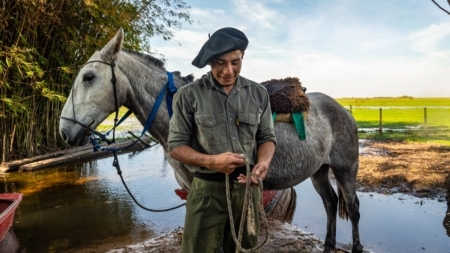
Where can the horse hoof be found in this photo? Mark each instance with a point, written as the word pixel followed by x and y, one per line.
pixel 357 249
pixel 327 249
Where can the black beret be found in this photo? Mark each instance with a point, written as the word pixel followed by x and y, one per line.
pixel 221 42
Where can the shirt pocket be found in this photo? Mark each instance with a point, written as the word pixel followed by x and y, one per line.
pixel 248 127
pixel 212 129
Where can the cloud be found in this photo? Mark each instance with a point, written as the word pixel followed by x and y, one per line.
pixel 256 12
pixel 428 41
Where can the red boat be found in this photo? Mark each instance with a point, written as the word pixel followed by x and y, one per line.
pixel 8 205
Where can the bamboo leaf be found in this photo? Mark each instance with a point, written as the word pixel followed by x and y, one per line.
pixel 66 70
pixel 52 95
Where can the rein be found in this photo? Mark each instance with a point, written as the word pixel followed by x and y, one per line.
pixel 169 87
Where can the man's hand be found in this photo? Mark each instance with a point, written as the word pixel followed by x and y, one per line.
pixel 227 162
pixel 265 154
pixel 259 171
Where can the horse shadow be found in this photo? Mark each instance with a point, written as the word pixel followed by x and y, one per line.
pixel 446 221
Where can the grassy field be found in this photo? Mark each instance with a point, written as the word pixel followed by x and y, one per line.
pixel 402 118
pixel 394 101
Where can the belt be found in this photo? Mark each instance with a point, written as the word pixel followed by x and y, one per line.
pixel 219 176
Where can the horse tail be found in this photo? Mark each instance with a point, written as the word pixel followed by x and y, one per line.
pixel 282 206
pixel 289 215
pixel 343 214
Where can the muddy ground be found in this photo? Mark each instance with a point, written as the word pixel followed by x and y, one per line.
pixel 385 167
pixel 418 169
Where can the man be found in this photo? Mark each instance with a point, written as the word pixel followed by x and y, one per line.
pixel 217 121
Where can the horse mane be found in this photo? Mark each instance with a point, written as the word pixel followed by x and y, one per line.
pixel 159 63
pixel 187 79
pixel 146 57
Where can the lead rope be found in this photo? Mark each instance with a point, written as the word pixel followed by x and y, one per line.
pixel 116 160
pixel 88 131
pixel 246 208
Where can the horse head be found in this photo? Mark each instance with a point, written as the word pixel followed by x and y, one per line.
pixel 115 77
pixel 92 99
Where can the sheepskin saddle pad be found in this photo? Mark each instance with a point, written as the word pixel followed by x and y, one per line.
pixel 287 95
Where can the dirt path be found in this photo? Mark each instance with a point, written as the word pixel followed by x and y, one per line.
pixel 284 238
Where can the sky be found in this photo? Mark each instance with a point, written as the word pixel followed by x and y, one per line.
pixel 343 48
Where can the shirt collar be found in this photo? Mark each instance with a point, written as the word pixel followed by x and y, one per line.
pixel 211 83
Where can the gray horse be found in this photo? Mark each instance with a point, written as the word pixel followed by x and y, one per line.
pixel 331 142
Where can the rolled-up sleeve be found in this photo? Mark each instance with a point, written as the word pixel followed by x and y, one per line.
pixel 182 121
pixel 266 131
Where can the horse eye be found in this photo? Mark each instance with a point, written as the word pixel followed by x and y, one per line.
pixel 88 77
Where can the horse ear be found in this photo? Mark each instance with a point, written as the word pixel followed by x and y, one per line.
pixel 113 47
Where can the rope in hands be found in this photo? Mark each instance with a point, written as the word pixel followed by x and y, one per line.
pixel 247 208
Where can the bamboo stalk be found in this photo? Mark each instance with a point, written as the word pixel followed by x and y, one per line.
pixel 12 139
pixel 4 149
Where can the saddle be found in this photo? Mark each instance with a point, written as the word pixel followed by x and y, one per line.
pixel 288 102
pixel 287 95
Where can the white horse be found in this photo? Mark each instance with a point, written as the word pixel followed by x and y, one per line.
pixel 331 142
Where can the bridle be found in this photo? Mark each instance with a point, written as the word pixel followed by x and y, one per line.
pixel 88 130
pixel 169 88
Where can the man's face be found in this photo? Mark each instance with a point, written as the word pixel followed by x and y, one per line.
pixel 226 68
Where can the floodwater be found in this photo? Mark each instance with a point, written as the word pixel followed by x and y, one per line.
pixel 81 205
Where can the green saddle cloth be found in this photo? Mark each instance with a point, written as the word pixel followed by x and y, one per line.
pixel 299 124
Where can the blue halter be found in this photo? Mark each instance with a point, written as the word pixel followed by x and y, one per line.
pixel 171 90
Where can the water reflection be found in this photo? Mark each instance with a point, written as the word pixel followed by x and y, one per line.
pixel 389 223
pixel 446 221
pixel 56 204
pixel 78 206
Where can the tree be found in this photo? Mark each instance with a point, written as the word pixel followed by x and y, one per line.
pixel 44 42
pixel 441 7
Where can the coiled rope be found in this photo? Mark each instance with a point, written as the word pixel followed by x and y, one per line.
pixel 247 208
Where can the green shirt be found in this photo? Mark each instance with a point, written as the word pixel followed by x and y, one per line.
pixel 212 122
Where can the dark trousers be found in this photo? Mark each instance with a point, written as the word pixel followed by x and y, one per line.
pixel 207 225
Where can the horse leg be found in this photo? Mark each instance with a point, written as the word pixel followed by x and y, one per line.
pixel 330 201
pixel 349 203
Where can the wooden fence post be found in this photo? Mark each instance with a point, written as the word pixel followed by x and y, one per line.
pixel 381 122
pixel 425 121
pixel 351 110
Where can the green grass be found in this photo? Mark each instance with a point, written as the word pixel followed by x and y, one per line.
pixel 401 117
pixel 109 121
pixel 402 113
pixel 441 137
pixel 397 101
